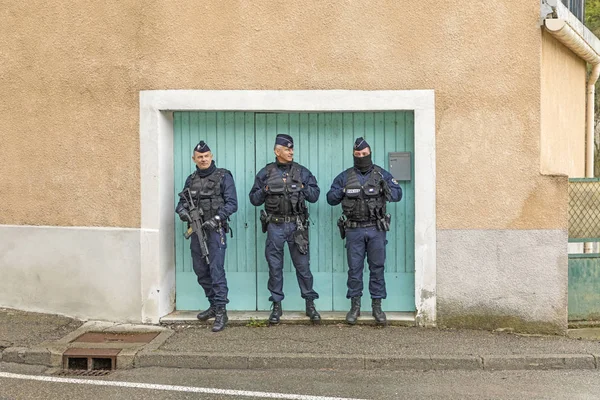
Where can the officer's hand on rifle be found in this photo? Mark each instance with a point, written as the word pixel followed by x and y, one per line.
pixel 212 223
pixel 184 215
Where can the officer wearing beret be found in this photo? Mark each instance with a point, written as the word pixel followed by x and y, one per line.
pixel 363 191
pixel 213 191
pixel 284 187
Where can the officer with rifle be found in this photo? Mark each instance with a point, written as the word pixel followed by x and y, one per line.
pixel 206 202
pixel 363 191
pixel 284 187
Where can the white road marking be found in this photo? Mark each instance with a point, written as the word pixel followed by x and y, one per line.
pixel 172 388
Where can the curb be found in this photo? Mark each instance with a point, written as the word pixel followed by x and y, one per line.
pixel 24 355
pixel 548 361
pixel 168 359
pixel 244 318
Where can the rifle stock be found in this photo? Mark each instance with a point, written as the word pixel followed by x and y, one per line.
pixel 195 226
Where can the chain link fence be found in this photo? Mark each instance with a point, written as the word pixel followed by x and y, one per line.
pixel 584 209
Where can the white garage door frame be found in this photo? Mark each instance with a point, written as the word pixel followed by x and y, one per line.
pixel 157 177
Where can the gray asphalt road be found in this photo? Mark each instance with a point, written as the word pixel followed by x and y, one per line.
pixel 356 385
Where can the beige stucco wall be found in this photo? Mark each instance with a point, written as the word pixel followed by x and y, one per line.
pixel 71 73
pixel 563 110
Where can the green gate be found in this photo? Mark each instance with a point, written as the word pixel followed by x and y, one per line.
pixel 243 143
pixel 584 287
pixel 584 268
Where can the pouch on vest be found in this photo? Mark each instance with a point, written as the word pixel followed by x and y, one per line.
pixel 208 188
pixel 301 240
pixel 264 220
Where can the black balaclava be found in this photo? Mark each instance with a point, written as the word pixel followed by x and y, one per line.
pixel 283 166
pixel 206 172
pixel 363 164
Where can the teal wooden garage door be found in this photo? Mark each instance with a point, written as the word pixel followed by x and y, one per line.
pixel 243 143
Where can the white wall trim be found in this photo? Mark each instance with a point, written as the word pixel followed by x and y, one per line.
pixel 156 152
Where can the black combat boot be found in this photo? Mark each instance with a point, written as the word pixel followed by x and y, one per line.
pixel 354 312
pixel 220 318
pixel 207 314
pixel 311 312
pixel 276 313
pixel 377 313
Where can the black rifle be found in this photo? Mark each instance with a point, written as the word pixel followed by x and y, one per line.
pixel 195 225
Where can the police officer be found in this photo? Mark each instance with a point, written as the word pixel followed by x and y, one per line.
pixel 284 187
pixel 212 190
pixel 363 191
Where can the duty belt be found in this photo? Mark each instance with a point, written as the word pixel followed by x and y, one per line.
pixel 282 219
pixel 356 224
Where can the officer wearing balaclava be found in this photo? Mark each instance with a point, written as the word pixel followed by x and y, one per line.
pixel 363 191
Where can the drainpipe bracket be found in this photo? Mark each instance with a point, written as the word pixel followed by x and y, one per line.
pixel 547 10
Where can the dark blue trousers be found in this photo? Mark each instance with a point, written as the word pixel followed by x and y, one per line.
pixel 211 276
pixel 370 242
pixel 277 236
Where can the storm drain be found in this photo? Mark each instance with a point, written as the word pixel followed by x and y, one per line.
pixel 101 357
pixel 89 360
pixel 80 372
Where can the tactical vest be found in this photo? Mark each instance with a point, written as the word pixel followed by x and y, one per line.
pixel 284 197
pixel 206 191
pixel 366 202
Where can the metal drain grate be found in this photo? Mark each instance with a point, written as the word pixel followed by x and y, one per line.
pixel 82 372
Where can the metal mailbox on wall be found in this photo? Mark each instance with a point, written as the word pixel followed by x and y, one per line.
pixel 401 165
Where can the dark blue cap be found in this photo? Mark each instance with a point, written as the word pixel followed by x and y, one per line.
pixel 202 147
pixel 360 144
pixel 284 140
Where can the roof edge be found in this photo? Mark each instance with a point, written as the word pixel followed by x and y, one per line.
pixel 555 9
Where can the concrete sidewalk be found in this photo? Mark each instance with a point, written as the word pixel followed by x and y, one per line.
pixel 40 338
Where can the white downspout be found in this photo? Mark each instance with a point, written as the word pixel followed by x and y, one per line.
pixel 572 40
pixel 589 127
pixel 588 247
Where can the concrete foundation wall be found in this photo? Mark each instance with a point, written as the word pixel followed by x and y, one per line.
pixel 80 272
pixel 493 279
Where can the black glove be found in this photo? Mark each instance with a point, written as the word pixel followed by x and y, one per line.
pixel 212 223
pixel 387 192
pixel 185 216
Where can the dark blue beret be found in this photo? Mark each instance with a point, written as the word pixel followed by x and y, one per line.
pixel 284 140
pixel 202 147
pixel 360 144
